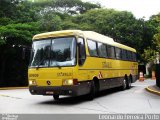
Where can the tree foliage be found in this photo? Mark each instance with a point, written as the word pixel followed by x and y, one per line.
pixel 150 52
pixel 157 35
pixel 21 19
pixel 122 26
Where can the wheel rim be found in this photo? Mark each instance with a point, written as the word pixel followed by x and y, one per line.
pixel 130 83
pixel 124 84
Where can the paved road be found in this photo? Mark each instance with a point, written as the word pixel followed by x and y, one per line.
pixel 135 100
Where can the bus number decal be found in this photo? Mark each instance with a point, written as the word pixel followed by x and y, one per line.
pixel 33 75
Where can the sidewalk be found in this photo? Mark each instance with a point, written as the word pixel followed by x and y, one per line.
pixel 153 89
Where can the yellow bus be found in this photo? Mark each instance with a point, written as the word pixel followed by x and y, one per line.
pixel 75 62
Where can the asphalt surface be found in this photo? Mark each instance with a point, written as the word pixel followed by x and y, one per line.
pixel 134 100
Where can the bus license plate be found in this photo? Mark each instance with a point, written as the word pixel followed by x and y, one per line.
pixel 49 92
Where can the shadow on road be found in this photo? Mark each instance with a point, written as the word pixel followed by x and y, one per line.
pixel 80 99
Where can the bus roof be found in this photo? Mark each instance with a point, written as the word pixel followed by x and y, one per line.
pixel 57 34
pixel 105 39
pixel 87 34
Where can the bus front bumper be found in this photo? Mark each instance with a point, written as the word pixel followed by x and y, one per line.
pixel 74 90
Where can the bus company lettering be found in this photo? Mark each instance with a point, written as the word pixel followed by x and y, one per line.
pixel 64 74
pixel 106 64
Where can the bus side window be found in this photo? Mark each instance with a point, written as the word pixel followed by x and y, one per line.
pixel 128 55
pixel 124 56
pixel 81 51
pixel 131 58
pixel 110 51
pixel 134 56
pixel 118 53
pixel 92 47
pixel 102 50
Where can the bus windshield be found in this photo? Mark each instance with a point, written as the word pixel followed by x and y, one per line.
pixel 53 52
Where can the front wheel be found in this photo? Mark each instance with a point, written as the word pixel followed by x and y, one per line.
pixel 56 97
pixel 92 93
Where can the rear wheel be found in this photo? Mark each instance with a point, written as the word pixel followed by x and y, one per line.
pixel 124 85
pixel 129 83
pixel 56 97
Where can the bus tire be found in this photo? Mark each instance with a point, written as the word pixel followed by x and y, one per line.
pixel 56 97
pixel 96 82
pixel 92 93
pixel 129 81
pixel 124 85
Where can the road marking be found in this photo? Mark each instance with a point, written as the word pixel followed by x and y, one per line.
pixel 12 88
pixel 4 95
pixel 10 96
pixel 1 95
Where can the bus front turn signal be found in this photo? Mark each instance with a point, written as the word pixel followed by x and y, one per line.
pixel 32 82
pixel 70 82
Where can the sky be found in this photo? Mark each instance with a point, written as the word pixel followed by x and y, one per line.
pixel 140 8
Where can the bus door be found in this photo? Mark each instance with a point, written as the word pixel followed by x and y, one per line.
pixel 82 71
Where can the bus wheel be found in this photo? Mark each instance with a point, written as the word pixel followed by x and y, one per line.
pixel 92 93
pixel 129 83
pixel 124 85
pixel 56 97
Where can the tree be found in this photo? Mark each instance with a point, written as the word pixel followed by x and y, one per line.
pixel 13 38
pixel 51 15
pixel 21 19
pixel 157 38
pixel 150 52
pixel 70 7
pixel 122 26
pixel 157 35
pixel 50 22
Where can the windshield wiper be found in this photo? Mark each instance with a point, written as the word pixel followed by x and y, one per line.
pixel 39 63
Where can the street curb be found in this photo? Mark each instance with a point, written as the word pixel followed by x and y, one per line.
pixel 152 91
pixel 12 88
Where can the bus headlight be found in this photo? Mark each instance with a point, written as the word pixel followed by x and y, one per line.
pixel 32 82
pixel 70 82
